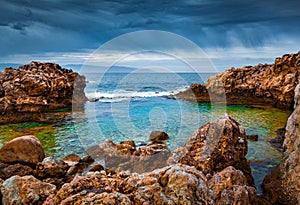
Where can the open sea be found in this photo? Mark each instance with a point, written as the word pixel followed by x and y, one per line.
pixel 129 105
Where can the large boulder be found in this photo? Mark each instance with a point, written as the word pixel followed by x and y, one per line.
pixel 229 187
pixel 272 84
pixel 285 178
pixel 24 150
pixel 36 88
pixel 25 190
pixel 214 147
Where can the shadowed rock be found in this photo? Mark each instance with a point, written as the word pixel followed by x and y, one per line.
pixel 282 186
pixel 24 150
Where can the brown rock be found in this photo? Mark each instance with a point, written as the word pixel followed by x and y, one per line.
pixel 50 167
pixel 252 137
pixel 7 170
pixel 71 159
pixel 125 156
pixel 214 147
pixel 262 84
pixel 24 150
pixel 158 136
pixel 229 187
pixel 282 186
pixel 25 190
pixel 36 88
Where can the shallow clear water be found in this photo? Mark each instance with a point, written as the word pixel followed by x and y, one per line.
pixel 134 116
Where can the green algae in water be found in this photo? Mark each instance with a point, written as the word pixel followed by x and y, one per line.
pixel 44 132
pixel 68 136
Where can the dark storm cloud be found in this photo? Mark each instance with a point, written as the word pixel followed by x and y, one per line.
pixel 71 25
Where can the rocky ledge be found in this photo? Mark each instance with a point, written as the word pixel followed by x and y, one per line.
pixel 210 168
pixel 33 89
pixel 282 186
pixel 271 84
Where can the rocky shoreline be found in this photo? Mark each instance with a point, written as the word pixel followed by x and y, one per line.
pixel 211 168
pixel 31 91
pixel 271 84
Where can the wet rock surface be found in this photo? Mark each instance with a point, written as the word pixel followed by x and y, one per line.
pixel 126 174
pixel 33 89
pixel 272 84
pixel 282 186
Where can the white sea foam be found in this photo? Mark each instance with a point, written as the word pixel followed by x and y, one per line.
pixel 120 95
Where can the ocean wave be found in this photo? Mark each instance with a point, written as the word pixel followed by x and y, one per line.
pixel 120 95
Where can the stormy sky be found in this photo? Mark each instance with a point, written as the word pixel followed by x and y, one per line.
pixel 232 33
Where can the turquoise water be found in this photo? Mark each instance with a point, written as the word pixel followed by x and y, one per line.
pixel 130 109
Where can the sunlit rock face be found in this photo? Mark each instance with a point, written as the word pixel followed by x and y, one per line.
pixel 35 88
pixel 272 84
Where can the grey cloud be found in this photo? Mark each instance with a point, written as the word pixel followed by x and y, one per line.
pixel 77 24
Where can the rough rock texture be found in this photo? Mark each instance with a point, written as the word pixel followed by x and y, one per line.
pixel 24 150
pixel 229 187
pixel 283 184
pixel 125 156
pixel 35 88
pixel 158 136
pixel 177 184
pixel 50 167
pixel 7 170
pixel 262 84
pixel 216 146
pixel 25 190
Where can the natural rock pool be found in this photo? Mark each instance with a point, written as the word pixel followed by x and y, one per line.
pixel 135 119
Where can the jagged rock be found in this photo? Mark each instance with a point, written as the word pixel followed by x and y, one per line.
pixel 125 156
pixel 158 136
pixel 278 141
pixel 282 186
pixel 71 159
pixel 24 150
pixel 25 190
pixel 262 84
pixel 81 166
pixel 253 137
pixel 214 147
pixel 176 184
pixel 35 88
pixel 7 170
pixel 50 167
pixel 229 187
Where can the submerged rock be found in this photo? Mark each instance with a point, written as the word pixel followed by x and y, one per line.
pixel 282 186
pixel 252 137
pixel 272 84
pixel 24 150
pixel 216 146
pixel 25 190
pixel 158 136
pixel 35 88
